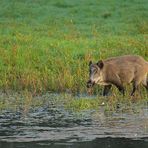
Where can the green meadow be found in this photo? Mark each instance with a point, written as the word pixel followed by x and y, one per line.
pixel 45 45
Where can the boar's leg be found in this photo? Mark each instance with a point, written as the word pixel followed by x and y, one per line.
pixel 106 89
pixel 135 87
pixel 121 89
pixel 145 83
pixel 146 86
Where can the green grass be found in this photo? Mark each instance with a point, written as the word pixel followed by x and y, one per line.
pixel 110 104
pixel 45 45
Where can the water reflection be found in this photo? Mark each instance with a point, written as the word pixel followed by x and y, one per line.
pixel 53 126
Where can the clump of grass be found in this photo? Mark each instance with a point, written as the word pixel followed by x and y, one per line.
pixel 106 14
pixel 79 104
pixel 60 4
pixel 111 104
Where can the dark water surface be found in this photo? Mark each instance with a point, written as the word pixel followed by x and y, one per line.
pixel 56 127
pixel 96 143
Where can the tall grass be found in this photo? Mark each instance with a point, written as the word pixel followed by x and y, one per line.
pixel 46 45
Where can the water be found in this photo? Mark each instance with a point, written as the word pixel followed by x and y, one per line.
pixel 54 126
pixel 98 142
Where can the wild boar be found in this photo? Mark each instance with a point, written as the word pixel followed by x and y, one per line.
pixel 119 71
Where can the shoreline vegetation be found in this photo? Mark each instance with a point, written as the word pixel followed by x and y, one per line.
pixel 45 46
pixel 24 102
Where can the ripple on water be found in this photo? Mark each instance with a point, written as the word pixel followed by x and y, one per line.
pixel 52 124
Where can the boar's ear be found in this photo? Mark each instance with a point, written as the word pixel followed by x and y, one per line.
pixel 100 64
pixel 90 62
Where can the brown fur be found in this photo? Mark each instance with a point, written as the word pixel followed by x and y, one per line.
pixel 122 70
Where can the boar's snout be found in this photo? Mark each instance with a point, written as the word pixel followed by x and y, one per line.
pixel 90 84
